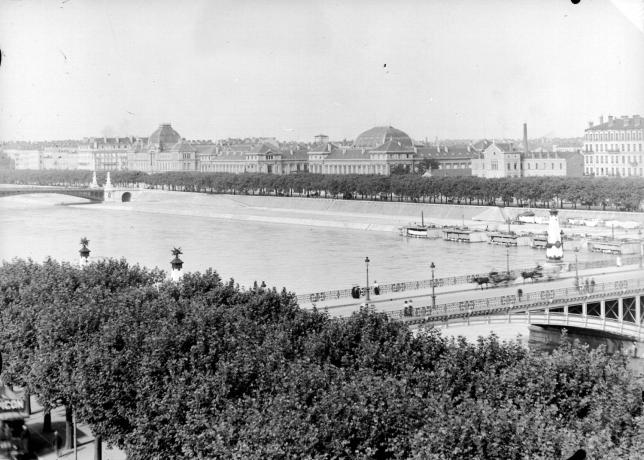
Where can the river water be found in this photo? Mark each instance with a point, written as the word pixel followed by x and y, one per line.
pixel 307 257
pixel 303 258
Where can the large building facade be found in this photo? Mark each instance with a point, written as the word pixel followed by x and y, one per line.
pixel 104 153
pixel 505 159
pixel 614 147
pixel 375 151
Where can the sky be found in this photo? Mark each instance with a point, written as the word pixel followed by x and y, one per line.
pixel 452 69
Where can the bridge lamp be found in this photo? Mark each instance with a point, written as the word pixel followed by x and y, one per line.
pixel 366 261
pixel 576 267
pixel 432 266
pixel 507 258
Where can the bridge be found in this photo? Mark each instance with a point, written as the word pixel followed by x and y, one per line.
pixel 611 304
pixel 112 194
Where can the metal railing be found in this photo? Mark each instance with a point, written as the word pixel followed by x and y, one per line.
pixel 539 299
pixel 447 281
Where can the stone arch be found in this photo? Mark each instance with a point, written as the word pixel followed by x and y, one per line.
pixel 127 196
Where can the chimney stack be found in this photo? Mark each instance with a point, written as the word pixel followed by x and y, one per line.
pixel 525 137
pixel 601 119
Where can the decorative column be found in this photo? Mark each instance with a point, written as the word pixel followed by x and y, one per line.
pixel 620 309
pixel 94 183
pixel 638 309
pixel 554 244
pixel 109 188
pixel 602 309
pixel 84 252
pixel 177 265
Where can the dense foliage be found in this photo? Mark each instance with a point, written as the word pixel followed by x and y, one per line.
pixel 203 369
pixel 616 193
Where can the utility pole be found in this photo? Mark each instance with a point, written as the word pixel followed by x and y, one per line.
pixel 432 266
pixel 366 261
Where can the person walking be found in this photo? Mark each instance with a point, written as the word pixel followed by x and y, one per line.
pixel 57 443
pixel 25 439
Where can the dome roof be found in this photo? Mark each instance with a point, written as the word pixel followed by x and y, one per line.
pixel 375 137
pixel 164 137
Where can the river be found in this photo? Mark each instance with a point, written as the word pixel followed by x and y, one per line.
pixel 310 253
pixel 303 258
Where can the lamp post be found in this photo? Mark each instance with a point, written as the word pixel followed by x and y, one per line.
pixel 576 267
pixel 432 266
pixel 507 258
pixel 366 261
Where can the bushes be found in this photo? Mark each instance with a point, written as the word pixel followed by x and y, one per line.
pixel 202 369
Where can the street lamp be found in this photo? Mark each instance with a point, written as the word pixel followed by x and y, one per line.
pixel 507 259
pixel 432 266
pixel 366 261
pixel 576 267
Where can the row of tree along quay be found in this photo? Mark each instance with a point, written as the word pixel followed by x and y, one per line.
pixel 201 368
pixel 589 192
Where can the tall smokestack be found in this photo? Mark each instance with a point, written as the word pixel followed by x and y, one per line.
pixel 525 137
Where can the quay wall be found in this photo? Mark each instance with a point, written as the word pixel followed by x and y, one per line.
pixel 413 210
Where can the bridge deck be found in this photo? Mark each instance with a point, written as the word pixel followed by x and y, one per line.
pixel 454 302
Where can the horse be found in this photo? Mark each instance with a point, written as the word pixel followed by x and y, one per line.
pixel 533 274
pixel 481 280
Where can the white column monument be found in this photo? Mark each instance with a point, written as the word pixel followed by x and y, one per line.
pixel 94 183
pixel 554 245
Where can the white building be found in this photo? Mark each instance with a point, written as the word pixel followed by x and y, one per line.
pixel 614 147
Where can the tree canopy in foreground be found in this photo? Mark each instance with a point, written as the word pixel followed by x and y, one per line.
pixel 204 369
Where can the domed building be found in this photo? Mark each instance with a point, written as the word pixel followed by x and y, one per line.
pixel 376 151
pixel 164 150
pixel 380 135
pixel 163 138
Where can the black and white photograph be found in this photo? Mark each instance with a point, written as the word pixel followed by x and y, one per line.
pixel 321 230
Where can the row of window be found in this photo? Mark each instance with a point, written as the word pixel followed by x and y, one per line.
pixel 612 148
pixel 615 171
pixel 615 136
pixel 613 159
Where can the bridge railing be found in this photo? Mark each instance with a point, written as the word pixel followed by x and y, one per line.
pixel 446 281
pixel 543 298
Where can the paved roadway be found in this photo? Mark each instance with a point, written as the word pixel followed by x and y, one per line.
pixel 422 298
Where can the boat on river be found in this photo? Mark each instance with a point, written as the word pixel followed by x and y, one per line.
pixel 416 230
pixel 539 241
pixel 464 235
pixel 614 246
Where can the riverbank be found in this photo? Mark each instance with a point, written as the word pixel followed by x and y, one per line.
pixel 381 216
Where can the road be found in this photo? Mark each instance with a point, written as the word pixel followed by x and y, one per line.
pixel 423 298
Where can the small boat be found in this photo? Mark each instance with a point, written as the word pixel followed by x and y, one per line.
pixel 421 230
pixel 464 235
pixel 614 246
pixel 503 238
pixel 539 241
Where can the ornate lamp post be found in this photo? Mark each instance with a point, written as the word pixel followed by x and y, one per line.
pixel 84 252
pixel 177 265
pixel 507 259
pixel 576 267
pixel 432 266
pixel 366 261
